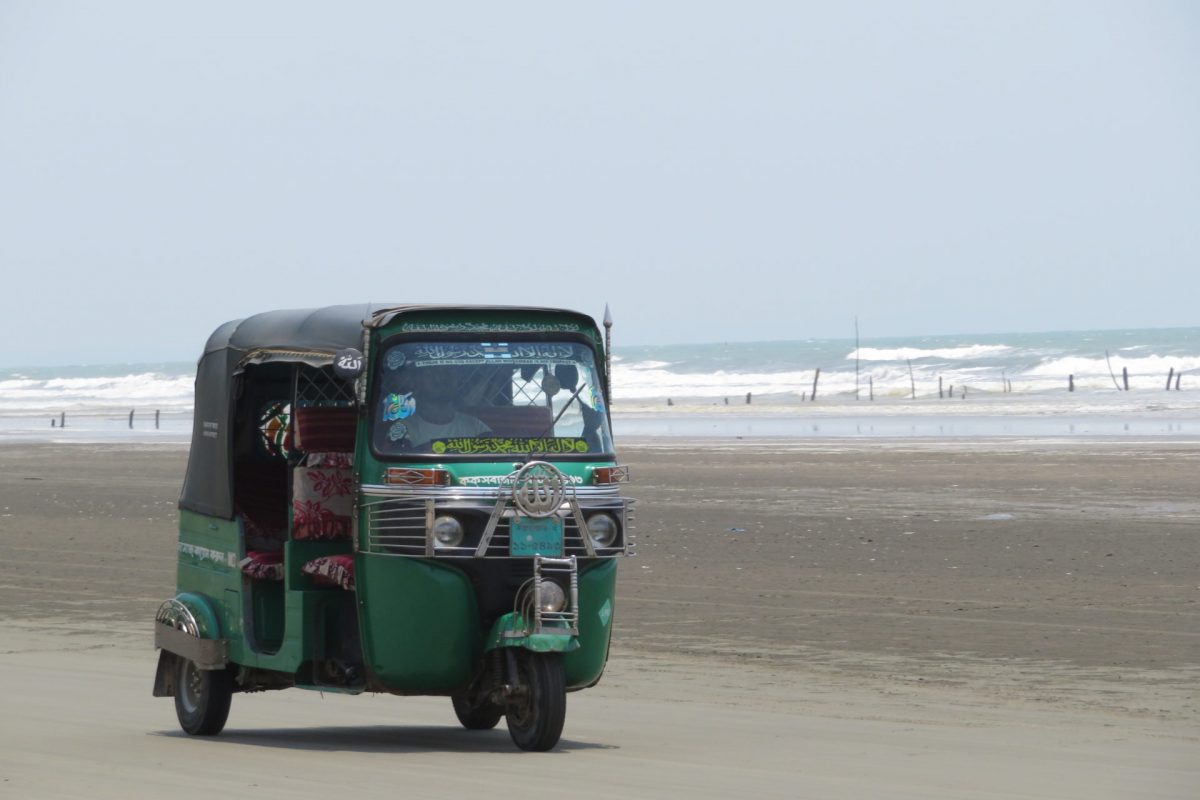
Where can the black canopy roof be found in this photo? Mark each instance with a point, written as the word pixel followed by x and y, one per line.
pixel 322 329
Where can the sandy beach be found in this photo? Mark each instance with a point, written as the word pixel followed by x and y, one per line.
pixel 804 618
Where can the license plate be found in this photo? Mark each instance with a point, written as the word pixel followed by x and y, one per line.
pixel 534 536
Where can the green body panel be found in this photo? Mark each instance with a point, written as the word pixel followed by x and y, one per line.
pixel 486 322
pixel 207 567
pixel 419 624
pixel 597 594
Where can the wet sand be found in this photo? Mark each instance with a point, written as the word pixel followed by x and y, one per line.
pixel 827 615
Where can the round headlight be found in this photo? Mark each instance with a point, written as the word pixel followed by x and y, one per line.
pixel 447 532
pixel 553 598
pixel 602 529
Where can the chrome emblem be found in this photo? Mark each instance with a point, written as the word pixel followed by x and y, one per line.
pixel 538 489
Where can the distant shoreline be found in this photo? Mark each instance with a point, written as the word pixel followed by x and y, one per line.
pixel 962 420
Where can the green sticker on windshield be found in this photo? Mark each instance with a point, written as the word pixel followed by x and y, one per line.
pixel 489 445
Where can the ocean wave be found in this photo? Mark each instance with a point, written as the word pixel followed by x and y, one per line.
pixel 147 389
pixel 1142 366
pixel 905 353
pixel 644 365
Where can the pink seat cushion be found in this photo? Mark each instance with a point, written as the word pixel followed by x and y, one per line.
pixel 335 571
pixel 325 429
pixel 262 565
pixel 322 502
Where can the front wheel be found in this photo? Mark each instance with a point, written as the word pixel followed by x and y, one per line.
pixel 536 714
pixel 202 698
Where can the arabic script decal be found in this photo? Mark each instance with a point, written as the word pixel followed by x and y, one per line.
pixel 489 327
pixel 493 445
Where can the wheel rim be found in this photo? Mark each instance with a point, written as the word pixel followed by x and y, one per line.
pixel 191 687
pixel 523 713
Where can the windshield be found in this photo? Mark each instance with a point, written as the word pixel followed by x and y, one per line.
pixel 489 398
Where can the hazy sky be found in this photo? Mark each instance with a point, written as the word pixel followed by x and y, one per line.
pixel 714 171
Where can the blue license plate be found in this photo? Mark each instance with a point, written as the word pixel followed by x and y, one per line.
pixel 533 536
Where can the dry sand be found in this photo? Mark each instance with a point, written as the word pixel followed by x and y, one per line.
pixel 804 619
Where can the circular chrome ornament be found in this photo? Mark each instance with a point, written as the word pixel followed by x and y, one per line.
pixel 538 489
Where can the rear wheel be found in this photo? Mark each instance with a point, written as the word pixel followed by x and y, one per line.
pixel 536 714
pixel 202 698
pixel 476 714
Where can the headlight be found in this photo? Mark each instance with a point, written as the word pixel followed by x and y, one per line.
pixel 553 598
pixel 602 529
pixel 447 532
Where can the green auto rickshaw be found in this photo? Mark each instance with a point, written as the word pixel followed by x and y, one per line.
pixel 420 500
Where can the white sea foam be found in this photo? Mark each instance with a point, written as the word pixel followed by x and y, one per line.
pixel 1151 365
pixel 643 365
pixel 657 382
pixel 97 394
pixel 905 353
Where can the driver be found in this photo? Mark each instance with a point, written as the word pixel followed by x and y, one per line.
pixel 435 390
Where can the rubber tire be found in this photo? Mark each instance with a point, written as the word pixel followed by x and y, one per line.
pixel 537 723
pixel 481 717
pixel 202 698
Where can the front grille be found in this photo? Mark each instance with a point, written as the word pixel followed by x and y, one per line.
pixel 400 526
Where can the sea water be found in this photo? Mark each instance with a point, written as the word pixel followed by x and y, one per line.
pixel 978 385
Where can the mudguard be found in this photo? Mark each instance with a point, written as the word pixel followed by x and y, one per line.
pixel 188 626
pixel 510 631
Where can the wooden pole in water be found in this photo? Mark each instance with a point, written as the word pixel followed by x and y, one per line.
pixel 1170 375
pixel 131 418
pixel 156 413
pixel 911 380
pixel 855 356
pixel 62 420
pixel 940 395
pixel 816 378
pixel 1177 377
pixel 1125 377
pixel 871 386
pixel 1070 383
pixel 1110 371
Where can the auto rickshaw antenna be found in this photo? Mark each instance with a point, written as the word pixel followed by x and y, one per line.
pixel 608 353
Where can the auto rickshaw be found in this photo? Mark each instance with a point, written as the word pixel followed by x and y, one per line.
pixel 419 500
